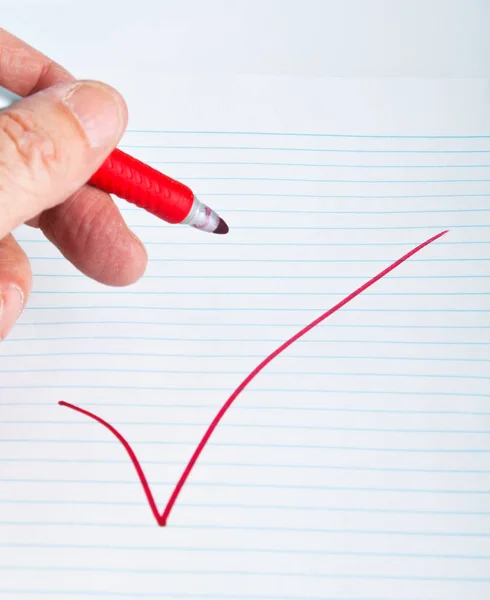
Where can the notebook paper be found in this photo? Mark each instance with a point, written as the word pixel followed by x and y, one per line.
pixel 356 466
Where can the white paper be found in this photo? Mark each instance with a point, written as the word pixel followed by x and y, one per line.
pixel 357 464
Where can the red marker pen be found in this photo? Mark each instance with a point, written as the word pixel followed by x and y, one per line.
pixel 170 200
pixel 147 188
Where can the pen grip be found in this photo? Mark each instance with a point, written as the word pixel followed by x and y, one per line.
pixel 144 186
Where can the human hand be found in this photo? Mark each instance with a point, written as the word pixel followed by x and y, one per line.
pixel 51 142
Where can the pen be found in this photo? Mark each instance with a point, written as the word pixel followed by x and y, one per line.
pixel 144 186
pixel 147 188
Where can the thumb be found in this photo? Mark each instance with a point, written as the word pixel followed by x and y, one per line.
pixel 50 145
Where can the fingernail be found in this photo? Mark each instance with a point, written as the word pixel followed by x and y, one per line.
pixel 98 110
pixel 11 304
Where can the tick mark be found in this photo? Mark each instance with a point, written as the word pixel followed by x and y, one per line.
pixel 162 518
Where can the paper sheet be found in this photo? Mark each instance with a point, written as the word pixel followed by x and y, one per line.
pixel 357 464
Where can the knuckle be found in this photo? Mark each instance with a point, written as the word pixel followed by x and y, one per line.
pixel 98 225
pixel 12 257
pixel 17 60
pixel 94 221
pixel 11 59
pixel 25 145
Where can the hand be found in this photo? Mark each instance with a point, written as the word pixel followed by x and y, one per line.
pixel 51 142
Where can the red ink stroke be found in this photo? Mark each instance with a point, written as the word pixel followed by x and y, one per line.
pixel 162 519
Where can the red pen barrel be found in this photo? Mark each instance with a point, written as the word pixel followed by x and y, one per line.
pixel 144 186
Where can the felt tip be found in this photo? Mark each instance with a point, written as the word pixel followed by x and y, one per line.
pixel 222 227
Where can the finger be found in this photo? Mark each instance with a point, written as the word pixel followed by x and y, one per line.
pixel 113 256
pixel 15 283
pixel 50 145
pixel 24 70
pixel 89 231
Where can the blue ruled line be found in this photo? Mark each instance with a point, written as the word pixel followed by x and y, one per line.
pixel 124 525
pixel 206 463
pixel 425 394
pixel 140 594
pixel 272 276
pixel 238 573
pixel 252 445
pixel 351 213
pixel 282 373
pixel 283 149
pixel 363 181
pixel 262 325
pixel 242 294
pixel 205 244
pixel 325 341
pixel 341 228
pixel 226 356
pixel 264 309
pixel 247 550
pixel 319 165
pixel 268 426
pixel 191 506
pixel 282 408
pixel 311 135
pixel 339 197
pixel 283 260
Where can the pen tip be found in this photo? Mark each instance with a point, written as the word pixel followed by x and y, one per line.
pixel 222 227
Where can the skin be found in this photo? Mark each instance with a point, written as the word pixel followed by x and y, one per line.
pixel 51 142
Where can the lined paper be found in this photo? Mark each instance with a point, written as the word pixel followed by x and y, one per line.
pixel 357 465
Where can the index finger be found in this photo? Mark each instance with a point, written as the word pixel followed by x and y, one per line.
pixel 24 70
